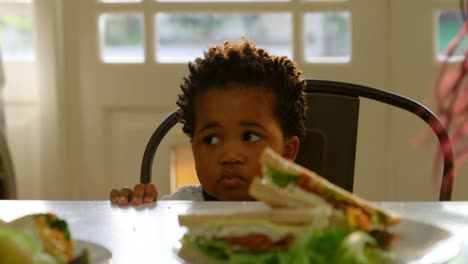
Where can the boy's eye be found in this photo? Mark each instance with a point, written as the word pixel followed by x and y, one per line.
pixel 252 137
pixel 211 140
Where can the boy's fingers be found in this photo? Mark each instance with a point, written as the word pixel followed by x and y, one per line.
pixel 151 194
pixel 138 193
pixel 125 194
pixel 114 196
pixel 123 201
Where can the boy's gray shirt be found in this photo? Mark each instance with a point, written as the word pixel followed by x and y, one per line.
pixel 189 192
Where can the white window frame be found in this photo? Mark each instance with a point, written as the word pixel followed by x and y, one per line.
pixel 297 8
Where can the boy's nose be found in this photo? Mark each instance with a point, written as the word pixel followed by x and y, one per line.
pixel 231 156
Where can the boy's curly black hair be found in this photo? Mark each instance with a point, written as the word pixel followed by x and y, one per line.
pixel 243 63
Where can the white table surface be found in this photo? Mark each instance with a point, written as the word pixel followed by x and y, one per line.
pixel 148 233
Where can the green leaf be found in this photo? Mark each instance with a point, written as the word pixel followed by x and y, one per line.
pixel 213 248
pixel 335 245
pixel 322 245
pixel 17 246
pixel 360 248
pixel 281 179
pixel 58 224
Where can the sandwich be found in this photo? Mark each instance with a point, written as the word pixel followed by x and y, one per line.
pixel 276 235
pixel 38 239
pixel 287 184
pixel 235 237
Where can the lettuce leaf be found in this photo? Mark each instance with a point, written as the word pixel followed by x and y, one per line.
pixel 274 257
pixel 58 224
pixel 17 246
pixel 213 248
pixel 322 244
pixel 224 253
pixel 281 179
pixel 335 245
pixel 361 248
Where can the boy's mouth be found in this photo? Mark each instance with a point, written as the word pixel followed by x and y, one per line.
pixel 231 181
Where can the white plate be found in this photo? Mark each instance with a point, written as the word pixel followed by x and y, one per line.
pixel 421 243
pixel 97 253
pixel 418 243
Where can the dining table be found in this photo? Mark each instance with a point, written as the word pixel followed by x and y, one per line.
pixel 151 233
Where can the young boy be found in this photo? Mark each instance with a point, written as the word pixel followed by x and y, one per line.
pixel 236 101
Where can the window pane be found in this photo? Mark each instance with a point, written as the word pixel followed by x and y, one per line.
pixel 181 37
pixel 121 37
pixel 327 37
pixel 16 38
pixel 449 23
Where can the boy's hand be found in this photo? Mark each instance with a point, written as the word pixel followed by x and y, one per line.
pixel 140 194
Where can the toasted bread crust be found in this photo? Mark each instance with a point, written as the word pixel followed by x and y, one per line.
pixel 281 216
pixel 279 197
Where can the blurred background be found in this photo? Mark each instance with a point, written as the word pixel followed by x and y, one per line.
pixel 87 82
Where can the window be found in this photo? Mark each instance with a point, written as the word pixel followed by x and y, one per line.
pixel 448 25
pixel 177 34
pixel 121 37
pixel 182 37
pixel 327 37
pixel 16 31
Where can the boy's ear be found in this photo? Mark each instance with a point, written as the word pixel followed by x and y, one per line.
pixel 291 147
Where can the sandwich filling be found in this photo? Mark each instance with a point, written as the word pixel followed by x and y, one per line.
pixel 255 242
pixel 234 240
pixel 55 233
pixel 333 197
pixel 331 245
pixel 300 185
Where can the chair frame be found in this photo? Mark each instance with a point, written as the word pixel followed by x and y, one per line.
pixel 338 88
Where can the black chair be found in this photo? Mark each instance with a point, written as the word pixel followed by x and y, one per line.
pixel 325 149
pixel 324 144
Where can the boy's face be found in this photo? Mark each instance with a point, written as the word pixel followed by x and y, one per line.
pixel 231 129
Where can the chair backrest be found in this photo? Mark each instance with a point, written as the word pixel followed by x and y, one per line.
pixel 323 137
pixel 7 175
pixel 324 144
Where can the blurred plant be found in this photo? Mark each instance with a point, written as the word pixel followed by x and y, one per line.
pixel 450 96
